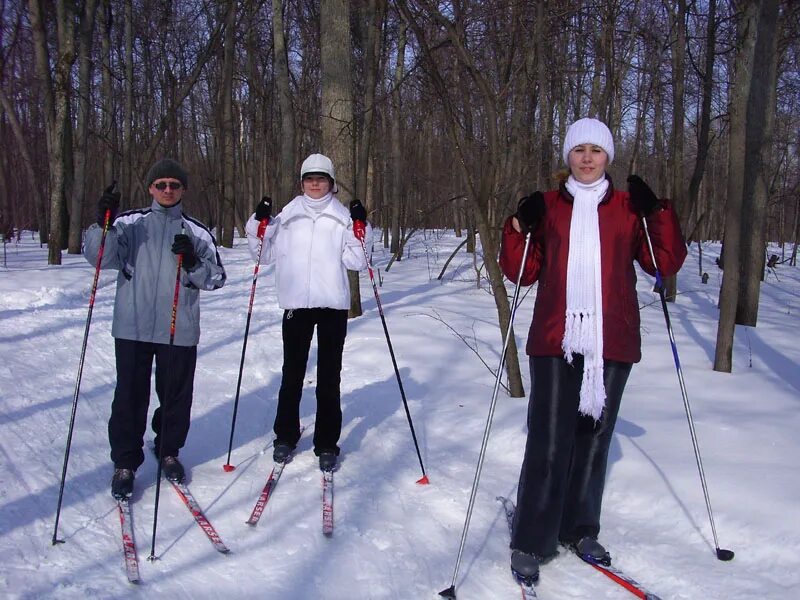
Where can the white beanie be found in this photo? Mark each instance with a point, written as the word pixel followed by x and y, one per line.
pixel 589 131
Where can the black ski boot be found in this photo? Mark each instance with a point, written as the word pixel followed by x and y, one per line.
pixel 122 483
pixel 173 469
pixel 327 460
pixel 592 550
pixel 282 452
pixel 525 567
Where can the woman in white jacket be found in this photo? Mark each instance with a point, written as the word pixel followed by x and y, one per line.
pixel 312 243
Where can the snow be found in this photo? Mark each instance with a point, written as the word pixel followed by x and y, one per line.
pixel 394 539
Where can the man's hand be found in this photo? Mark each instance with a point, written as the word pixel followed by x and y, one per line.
pixel 183 245
pixel 109 201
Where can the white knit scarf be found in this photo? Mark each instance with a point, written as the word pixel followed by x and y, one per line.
pixel 583 332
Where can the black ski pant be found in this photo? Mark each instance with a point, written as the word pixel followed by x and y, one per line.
pixel 175 367
pixel 298 329
pixel 563 473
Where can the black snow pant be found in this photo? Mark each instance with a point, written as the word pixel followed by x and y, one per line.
pixel 563 473
pixel 298 329
pixel 175 367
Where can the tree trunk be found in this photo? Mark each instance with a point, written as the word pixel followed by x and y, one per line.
pixel 396 187
pixel 373 20
pixel 703 145
pixel 56 92
pixel 287 178
pixel 109 146
pixel 337 109
pixel 228 208
pixel 676 138
pixel 82 133
pixel 747 24
pixel 760 120
pixel 127 123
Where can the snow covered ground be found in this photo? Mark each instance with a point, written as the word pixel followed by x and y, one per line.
pixel 394 539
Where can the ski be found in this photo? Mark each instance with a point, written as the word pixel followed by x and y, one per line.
pixel 616 575
pixel 128 545
pixel 199 516
pixel 526 587
pixel 327 503
pixel 266 493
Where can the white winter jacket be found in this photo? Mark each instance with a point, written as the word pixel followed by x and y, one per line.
pixel 312 253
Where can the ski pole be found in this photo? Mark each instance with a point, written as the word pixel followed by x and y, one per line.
pixel 106 223
pixel 451 591
pixel 359 231
pixel 722 554
pixel 173 319
pixel 262 227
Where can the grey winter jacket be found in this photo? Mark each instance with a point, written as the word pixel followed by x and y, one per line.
pixel 139 244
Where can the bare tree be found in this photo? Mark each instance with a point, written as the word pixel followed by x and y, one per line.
pixel 760 120
pixel 286 167
pixel 56 89
pixel 336 119
pixel 86 30
pixel 747 28
pixel 227 133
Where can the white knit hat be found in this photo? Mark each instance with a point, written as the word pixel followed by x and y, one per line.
pixel 589 131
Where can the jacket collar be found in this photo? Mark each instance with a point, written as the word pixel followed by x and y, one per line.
pixel 562 188
pixel 295 210
pixel 171 212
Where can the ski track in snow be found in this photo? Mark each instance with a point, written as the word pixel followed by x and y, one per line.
pixel 393 539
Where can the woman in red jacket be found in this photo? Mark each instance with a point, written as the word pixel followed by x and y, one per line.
pixel 584 337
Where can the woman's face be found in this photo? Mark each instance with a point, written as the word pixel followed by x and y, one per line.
pixel 316 186
pixel 587 162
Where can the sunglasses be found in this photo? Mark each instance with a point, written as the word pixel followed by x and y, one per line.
pixel 173 185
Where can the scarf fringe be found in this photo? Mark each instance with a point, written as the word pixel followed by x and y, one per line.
pixel 593 393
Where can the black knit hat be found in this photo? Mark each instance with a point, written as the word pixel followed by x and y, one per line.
pixel 166 168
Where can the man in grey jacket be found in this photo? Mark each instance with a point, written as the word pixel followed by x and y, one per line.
pixel 144 245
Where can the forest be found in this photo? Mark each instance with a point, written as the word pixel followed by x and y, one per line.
pixel 436 114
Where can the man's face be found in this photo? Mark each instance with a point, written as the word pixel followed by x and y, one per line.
pixel 167 191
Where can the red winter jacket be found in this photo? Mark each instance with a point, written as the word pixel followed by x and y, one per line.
pixel 622 240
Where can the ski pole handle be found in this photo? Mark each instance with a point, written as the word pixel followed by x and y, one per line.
pixel 262 227
pixel 360 230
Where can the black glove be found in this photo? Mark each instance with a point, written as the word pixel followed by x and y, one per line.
pixel 357 211
pixel 108 201
pixel 264 209
pixel 642 197
pixel 530 211
pixel 183 245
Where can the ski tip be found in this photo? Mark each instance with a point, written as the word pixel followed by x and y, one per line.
pixel 725 555
pixel 423 480
pixel 228 468
pixel 449 592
